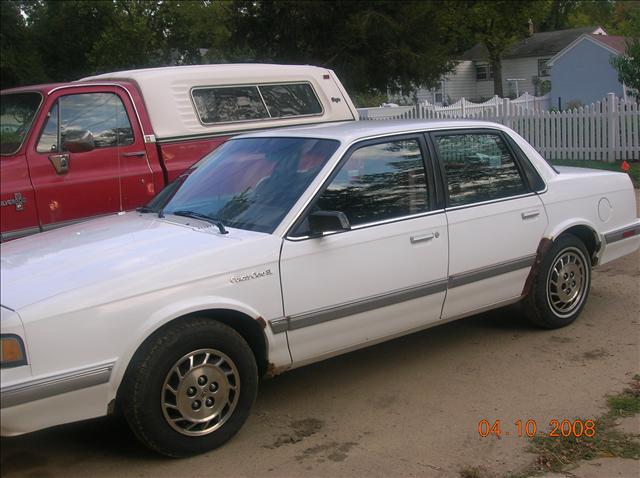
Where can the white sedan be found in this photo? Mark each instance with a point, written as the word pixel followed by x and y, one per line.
pixel 286 247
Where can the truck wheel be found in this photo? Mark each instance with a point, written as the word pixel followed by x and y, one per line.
pixel 561 285
pixel 192 390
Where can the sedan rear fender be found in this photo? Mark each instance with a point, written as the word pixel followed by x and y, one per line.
pixel 584 225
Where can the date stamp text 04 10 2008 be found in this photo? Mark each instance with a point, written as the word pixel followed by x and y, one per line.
pixel 529 428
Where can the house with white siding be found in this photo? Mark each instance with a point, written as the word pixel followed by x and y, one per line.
pixel 524 68
pixel 582 73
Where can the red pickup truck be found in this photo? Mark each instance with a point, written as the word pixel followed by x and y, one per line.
pixel 109 143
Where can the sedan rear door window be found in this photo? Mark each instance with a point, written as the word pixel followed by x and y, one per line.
pixel 478 168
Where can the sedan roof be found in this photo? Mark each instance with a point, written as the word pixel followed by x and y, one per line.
pixel 354 130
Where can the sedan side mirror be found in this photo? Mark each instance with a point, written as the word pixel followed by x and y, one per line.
pixel 78 141
pixel 327 221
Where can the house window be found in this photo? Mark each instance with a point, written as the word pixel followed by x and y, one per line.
pixel 484 72
pixel 543 68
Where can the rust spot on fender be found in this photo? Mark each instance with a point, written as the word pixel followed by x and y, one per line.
pixel 262 322
pixel 272 370
pixel 544 245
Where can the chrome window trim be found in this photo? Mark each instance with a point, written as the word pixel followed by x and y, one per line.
pixel 422 131
pixel 618 234
pixel 326 314
pixel 35 114
pixel 506 140
pixel 59 128
pixel 57 384
pixel 133 103
pixel 257 86
pixel 369 224
pixel 347 149
pixel 491 201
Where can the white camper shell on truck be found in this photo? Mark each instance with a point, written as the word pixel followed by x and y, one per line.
pixel 187 101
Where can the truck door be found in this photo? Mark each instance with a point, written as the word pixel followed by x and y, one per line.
pixel 18 215
pixel 74 161
pixel 136 175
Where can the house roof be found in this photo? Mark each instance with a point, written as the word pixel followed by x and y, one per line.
pixel 538 44
pixel 615 44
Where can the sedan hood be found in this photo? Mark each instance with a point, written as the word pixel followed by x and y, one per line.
pixel 133 250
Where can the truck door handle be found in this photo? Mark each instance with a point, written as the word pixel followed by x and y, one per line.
pixel 134 153
pixel 529 214
pixel 60 163
pixel 424 237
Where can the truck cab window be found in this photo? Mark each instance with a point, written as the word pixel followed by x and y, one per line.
pixel 102 115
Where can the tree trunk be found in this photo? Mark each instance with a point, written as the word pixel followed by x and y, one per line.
pixel 496 65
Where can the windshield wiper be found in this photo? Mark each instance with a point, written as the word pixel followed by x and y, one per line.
pixel 204 217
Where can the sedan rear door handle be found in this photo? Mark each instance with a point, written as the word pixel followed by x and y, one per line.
pixel 529 214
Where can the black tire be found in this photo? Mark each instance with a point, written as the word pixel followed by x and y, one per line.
pixel 232 377
pixel 545 305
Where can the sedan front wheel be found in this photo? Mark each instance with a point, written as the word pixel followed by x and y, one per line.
pixel 192 389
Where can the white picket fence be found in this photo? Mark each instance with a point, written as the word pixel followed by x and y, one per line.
pixel 607 130
pixel 463 107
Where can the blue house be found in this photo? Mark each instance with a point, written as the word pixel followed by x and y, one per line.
pixel 581 73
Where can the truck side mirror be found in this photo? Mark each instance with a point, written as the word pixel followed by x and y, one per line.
pixel 78 141
pixel 327 221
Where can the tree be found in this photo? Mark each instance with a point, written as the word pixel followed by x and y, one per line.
pixel 498 25
pixel 628 67
pixel 372 45
pixel 19 59
pixel 64 32
pixel 558 16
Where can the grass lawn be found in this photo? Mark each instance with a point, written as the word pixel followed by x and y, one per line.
pixel 634 172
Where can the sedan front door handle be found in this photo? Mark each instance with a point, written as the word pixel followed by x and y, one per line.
pixel 424 237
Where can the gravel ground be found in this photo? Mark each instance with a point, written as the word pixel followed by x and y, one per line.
pixel 409 407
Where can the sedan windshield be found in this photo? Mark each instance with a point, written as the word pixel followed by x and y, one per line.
pixel 249 183
pixel 16 116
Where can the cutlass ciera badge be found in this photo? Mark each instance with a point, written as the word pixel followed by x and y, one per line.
pixel 18 201
pixel 253 275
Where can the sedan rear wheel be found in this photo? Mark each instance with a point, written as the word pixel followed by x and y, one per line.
pixel 561 284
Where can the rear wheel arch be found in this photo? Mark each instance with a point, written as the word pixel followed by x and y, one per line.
pixel 589 238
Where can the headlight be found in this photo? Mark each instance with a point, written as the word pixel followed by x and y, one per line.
pixel 12 349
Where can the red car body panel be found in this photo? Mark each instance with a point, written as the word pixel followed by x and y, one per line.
pixel 101 181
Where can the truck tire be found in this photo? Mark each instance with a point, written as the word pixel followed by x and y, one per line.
pixel 561 284
pixel 192 389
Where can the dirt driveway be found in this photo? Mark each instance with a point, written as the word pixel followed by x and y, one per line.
pixel 409 407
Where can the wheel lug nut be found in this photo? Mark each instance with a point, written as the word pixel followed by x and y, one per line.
pixel 191 391
pixel 202 380
pixel 213 387
pixel 196 404
pixel 209 402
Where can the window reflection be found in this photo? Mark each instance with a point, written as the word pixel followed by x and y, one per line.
pixel 478 167
pixel 379 182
